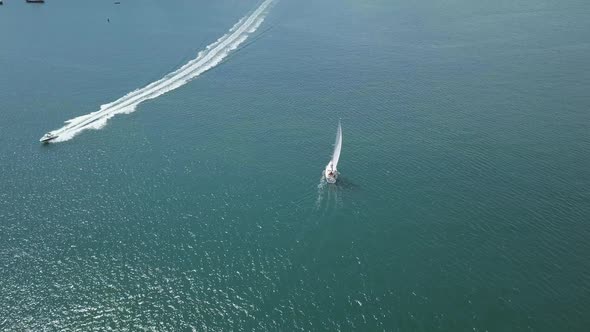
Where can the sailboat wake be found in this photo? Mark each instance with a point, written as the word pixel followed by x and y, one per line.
pixel 329 197
pixel 208 58
pixel 321 189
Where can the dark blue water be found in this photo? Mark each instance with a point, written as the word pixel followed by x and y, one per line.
pixel 463 201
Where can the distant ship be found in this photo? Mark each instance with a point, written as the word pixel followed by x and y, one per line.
pixel 36 1
pixel 331 171
pixel 48 137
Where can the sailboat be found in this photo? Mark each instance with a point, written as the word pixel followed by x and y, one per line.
pixel 331 171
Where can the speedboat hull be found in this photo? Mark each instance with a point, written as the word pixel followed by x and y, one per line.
pixel 47 140
pixel 48 137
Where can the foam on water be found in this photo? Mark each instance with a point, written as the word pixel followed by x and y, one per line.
pixel 208 58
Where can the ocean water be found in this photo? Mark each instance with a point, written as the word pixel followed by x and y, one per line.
pixel 463 202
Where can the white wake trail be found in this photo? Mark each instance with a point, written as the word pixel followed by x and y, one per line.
pixel 208 58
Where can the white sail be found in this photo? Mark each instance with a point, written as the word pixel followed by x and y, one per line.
pixel 337 147
pixel 331 171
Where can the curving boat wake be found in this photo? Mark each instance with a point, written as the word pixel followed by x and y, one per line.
pixel 208 58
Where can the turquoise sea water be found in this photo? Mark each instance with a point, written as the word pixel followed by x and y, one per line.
pixel 463 202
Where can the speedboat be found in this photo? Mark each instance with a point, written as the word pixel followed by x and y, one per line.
pixel 48 137
pixel 331 172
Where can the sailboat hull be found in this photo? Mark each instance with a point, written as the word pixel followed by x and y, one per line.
pixel 331 179
pixel 330 175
